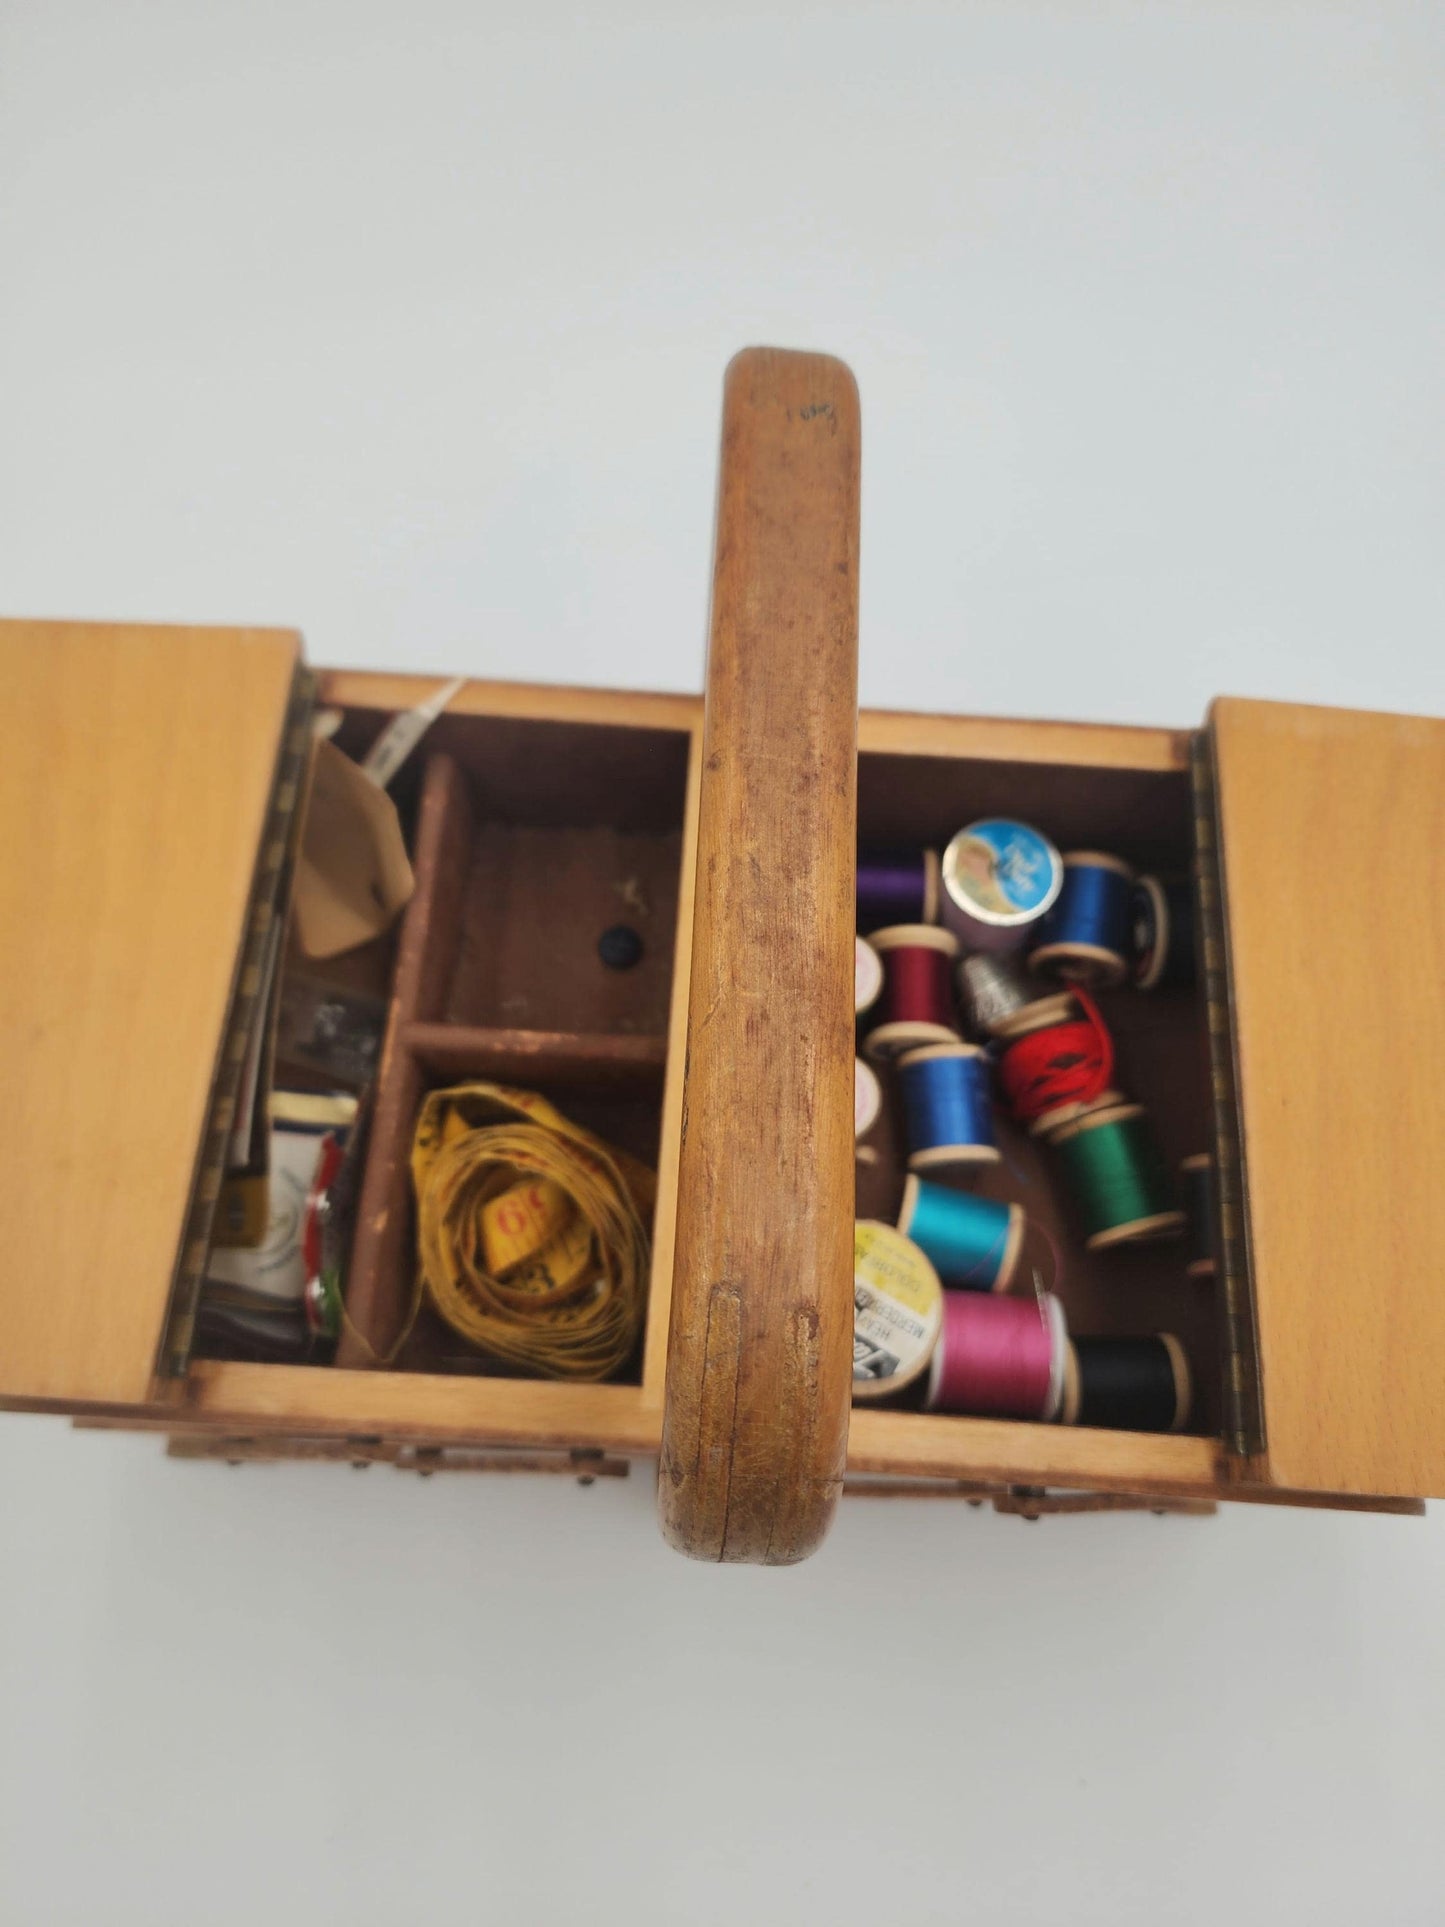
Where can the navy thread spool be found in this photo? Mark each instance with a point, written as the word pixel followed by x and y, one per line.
pixel 1127 1384
pixel 917 1003
pixel 972 1243
pixel 897 887
pixel 1087 937
pixel 947 1108
pixel 1197 1178
pixel 1162 934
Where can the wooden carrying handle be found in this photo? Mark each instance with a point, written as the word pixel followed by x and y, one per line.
pixel 759 1370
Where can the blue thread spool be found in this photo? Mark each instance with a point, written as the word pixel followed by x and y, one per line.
pixel 946 1103
pixel 973 1243
pixel 1163 934
pixel 1088 935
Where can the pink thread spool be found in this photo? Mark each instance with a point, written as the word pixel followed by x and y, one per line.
pixel 999 1357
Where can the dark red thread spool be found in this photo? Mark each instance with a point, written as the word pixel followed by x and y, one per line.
pixel 1056 1064
pixel 917 1002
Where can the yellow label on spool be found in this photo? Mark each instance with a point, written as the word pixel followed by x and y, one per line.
pixel 897 1310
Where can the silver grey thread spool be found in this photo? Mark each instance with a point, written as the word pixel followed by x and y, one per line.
pixel 991 989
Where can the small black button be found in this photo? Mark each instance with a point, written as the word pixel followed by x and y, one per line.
pixel 620 947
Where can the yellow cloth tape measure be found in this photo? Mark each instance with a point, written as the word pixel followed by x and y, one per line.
pixel 531 1232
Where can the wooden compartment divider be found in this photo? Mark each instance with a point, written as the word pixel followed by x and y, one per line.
pixel 503 916
pixel 466 1050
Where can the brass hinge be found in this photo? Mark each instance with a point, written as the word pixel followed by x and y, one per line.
pixel 1239 1331
pixel 266 905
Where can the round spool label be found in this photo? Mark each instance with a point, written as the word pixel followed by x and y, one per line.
pixel 1002 872
pixel 867 1097
pixel 867 976
pixel 897 1310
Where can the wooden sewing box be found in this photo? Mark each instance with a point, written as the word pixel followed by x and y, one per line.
pixel 149 774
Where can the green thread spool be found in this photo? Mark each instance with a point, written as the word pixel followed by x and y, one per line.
pixel 1118 1178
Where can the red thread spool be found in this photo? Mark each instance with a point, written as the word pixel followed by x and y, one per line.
pixel 999 1357
pixel 917 1002
pixel 1056 1065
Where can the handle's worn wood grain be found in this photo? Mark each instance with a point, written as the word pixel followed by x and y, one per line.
pixel 759 1374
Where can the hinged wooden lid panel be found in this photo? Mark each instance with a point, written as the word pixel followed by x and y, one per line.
pixel 1332 841
pixel 760 1348
pixel 136 769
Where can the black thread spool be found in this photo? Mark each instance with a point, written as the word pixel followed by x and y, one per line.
pixel 1162 928
pixel 1127 1384
pixel 1197 1183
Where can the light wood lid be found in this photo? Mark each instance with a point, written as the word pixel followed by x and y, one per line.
pixel 136 772
pixel 1331 827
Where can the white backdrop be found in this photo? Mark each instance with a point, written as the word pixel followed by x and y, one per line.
pixel 406 325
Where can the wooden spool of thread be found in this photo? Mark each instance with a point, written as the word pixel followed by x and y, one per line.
pixel 867 976
pixel 972 1243
pixel 867 1099
pixel 917 1005
pixel 948 1108
pixel 999 1357
pixel 1087 938
pixel 1127 1384
pixel 1197 1181
pixel 1057 1062
pixel 999 879
pixel 1162 934
pixel 897 1311
pixel 991 991
pixel 897 887
pixel 1118 1178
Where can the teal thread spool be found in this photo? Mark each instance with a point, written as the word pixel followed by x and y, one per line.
pixel 972 1243
pixel 1118 1178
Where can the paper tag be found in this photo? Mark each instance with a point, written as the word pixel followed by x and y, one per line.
pixel 352 874
pixel 402 734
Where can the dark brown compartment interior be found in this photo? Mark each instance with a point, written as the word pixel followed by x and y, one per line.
pixel 528 840
pixel 1160 1038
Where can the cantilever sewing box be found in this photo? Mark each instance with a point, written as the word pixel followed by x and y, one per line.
pixel 149 774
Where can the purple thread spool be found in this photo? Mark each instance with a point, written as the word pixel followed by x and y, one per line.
pixel 899 886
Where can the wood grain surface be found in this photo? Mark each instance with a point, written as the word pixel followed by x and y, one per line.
pixel 759 1375
pixel 1332 836
pixel 136 766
